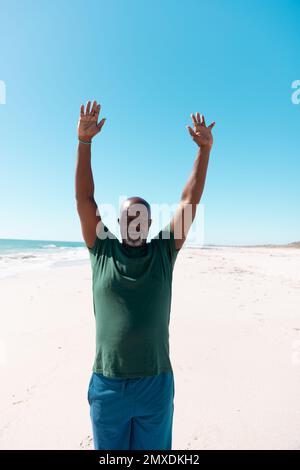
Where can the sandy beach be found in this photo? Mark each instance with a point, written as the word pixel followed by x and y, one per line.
pixel 234 342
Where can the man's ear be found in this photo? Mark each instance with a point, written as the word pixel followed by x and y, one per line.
pixel 118 221
pixel 150 222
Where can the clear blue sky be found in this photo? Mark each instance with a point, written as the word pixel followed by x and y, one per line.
pixel 150 64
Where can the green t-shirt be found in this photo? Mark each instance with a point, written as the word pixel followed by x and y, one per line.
pixel 132 289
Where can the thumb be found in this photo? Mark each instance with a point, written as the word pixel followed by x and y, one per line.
pixel 191 131
pixel 101 123
pixel 211 125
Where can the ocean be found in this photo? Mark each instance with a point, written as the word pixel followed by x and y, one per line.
pixel 22 255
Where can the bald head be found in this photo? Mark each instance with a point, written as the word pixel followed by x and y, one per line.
pixel 135 221
pixel 135 200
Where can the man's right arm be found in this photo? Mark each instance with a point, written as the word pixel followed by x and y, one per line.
pixel 87 209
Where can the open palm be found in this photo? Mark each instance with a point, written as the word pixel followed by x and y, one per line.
pixel 201 134
pixel 88 125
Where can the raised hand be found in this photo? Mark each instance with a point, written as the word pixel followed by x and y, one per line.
pixel 88 125
pixel 201 134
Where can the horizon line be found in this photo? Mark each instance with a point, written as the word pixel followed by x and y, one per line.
pixel 188 245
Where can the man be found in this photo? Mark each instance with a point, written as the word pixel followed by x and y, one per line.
pixel 131 389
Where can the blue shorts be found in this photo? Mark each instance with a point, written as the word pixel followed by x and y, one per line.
pixel 132 414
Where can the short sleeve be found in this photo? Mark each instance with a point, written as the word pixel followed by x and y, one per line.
pixel 165 238
pixel 103 238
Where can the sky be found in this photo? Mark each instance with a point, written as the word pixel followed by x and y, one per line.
pixel 150 65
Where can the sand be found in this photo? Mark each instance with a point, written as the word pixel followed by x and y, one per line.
pixel 234 344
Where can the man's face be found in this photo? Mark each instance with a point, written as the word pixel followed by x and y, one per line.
pixel 134 224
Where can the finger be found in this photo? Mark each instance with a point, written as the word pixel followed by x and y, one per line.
pixel 203 120
pixel 97 111
pixel 211 125
pixel 194 120
pixel 88 105
pixel 198 116
pixel 101 123
pixel 94 108
pixel 82 110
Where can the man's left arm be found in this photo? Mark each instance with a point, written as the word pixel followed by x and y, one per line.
pixel 192 192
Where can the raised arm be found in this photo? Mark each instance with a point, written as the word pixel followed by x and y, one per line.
pixel 192 192
pixel 88 127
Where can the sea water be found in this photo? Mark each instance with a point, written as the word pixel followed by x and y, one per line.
pixel 21 255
